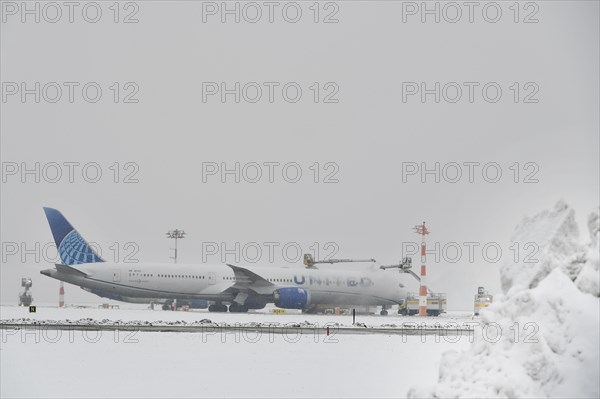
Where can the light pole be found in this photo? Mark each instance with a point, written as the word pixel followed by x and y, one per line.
pixel 175 234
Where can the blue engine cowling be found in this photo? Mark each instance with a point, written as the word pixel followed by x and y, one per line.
pixel 291 298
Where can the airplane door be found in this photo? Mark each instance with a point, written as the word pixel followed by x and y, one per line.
pixel 212 279
pixel 116 276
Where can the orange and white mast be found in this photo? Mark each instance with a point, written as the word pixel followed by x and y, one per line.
pixel 422 230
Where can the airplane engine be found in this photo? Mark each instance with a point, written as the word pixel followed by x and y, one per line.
pixel 291 298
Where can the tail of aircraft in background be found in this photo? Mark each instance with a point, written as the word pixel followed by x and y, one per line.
pixel 72 248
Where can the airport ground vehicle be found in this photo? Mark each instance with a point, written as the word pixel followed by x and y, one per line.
pixel 436 304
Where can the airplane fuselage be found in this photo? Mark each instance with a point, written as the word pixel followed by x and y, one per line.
pixel 219 282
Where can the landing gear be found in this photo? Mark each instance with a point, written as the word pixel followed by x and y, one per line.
pixel 217 307
pixel 168 305
pixel 383 311
pixel 237 308
pixel 311 310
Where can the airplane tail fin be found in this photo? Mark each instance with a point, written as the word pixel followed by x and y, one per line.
pixel 72 248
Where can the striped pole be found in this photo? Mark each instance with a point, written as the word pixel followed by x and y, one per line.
pixel 423 288
pixel 422 230
pixel 61 296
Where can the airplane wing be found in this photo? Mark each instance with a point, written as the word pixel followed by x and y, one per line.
pixel 216 289
pixel 245 281
pixel 245 277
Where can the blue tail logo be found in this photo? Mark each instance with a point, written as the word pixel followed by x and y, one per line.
pixel 72 248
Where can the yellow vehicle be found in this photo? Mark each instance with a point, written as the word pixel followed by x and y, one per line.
pixel 436 304
pixel 482 300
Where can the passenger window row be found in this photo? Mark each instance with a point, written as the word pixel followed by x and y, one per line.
pixel 182 276
pixel 197 277
pixel 141 274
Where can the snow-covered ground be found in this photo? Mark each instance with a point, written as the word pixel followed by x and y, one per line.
pixel 142 364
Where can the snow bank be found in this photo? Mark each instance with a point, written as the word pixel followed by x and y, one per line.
pixel 589 277
pixel 540 339
pixel 552 240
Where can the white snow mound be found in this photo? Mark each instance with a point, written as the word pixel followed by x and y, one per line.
pixel 540 339
pixel 589 277
pixel 548 240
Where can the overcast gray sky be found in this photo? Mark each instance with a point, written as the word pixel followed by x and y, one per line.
pixel 366 126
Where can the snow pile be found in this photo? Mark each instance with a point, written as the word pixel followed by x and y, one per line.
pixel 589 277
pixel 539 339
pixel 546 241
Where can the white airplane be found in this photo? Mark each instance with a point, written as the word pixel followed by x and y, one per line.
pixel 239 287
